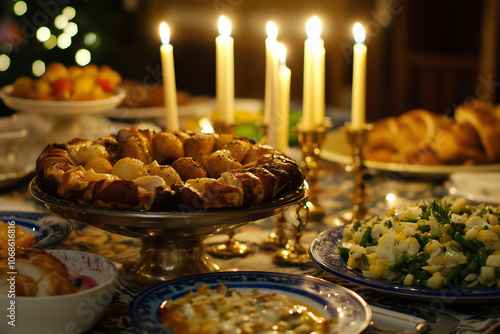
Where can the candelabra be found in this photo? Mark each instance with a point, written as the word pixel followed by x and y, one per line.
pixel 221 127
pixel 230 248
pixel 293 253
pixel 278 238
pixel 357 139
pixel 311 141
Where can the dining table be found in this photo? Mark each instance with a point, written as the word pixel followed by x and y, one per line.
pixel 333 193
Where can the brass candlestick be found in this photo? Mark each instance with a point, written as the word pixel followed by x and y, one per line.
pixel 265 134
pixel 357 139
pixel 221 127
pixel 231 248
pixel 278 238
pixel 293 253
pixel 311 141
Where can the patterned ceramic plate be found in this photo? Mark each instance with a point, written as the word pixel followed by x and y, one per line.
pixel 50 230
pixel 324 251
pixel 336 149
pixel 332 301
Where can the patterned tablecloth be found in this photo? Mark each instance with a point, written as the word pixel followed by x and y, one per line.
pixel 335 188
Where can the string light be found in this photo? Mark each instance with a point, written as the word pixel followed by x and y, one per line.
pixel 38 68
pixel 43 34
pixel 60 22
pixel 90 39
pixel 4 62
pixel 50 43
pixel 83 57
pixel 71 29
pixel 69 12
pixel 20 8
pixel 64 41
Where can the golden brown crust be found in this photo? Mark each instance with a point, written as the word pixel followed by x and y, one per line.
pixel 425 138
pixel 486 125
pixel 119 171
pixel 38 274
pixel 457 143
pixel 189 168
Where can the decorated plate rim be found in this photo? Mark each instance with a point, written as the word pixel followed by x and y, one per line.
pixel 144 307
pixel 328 242
pixel 51 229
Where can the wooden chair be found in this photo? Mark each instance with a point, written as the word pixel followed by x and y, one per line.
pixel 437 80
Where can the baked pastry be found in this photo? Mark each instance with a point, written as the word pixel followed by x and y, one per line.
pixel 481 116
pixel 405 139
pixel 166 171
pixel 38 273
pixel 426 138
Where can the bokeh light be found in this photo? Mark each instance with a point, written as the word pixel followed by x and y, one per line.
pixel 60 22
pixel 64 41
pixel 38 68
pixel 69 12
pixel 4 62
pixel 71 29
pixel 43 34
pixel 83 57
pixel 6 47
pixel 90 39
pixel 50 43
pixel 20 7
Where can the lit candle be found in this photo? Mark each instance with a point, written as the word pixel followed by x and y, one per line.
pixel 271 68
pixel 224 51
pixel 358 78
pixel 284 100
pixel 169 88
pixel 313 108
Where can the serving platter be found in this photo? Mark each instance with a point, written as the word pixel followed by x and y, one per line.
pixel 324 252
pixel 332 301
pixel 476 187
pixel 172 241
pixel 50 230
pixel 61 108
pixel 196 108
pixel 336 149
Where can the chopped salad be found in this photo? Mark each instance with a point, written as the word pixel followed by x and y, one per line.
pixel 430 243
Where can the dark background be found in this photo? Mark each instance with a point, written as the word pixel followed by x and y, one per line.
pixel 421 54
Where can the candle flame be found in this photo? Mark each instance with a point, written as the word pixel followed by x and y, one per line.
pixel 313 27
pixel 164 33
pixel 359 33
pixel 272 30
pixel 224 26
pixel 206 126
pixel 282 53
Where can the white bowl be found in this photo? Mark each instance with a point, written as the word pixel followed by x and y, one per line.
pixel 62 108
pixel 73 313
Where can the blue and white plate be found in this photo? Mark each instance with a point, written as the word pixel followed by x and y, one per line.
pixel 331 300
pixel 50 230
pixel 324 251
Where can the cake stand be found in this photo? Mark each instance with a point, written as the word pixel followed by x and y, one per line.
pixel 172 242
